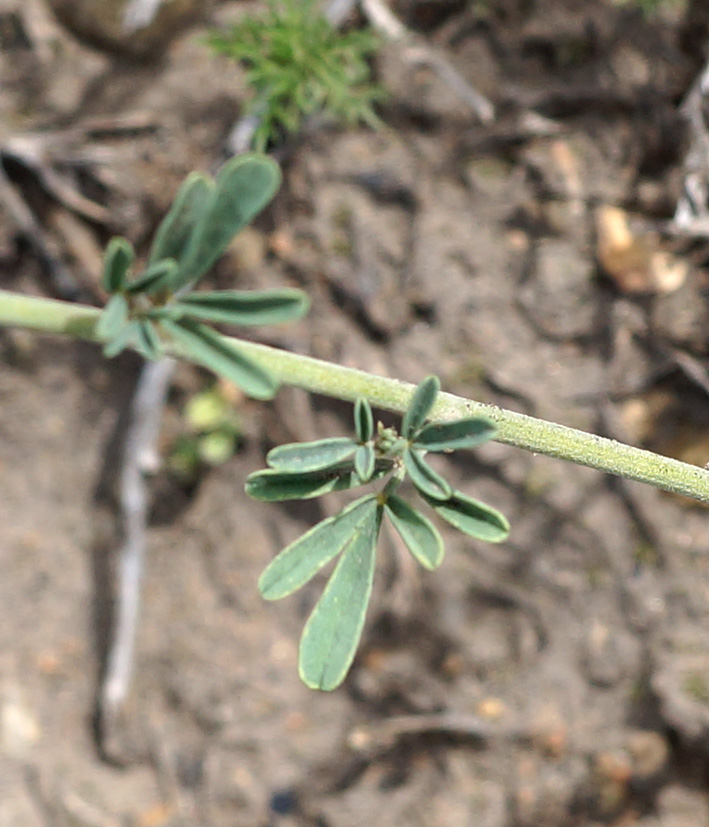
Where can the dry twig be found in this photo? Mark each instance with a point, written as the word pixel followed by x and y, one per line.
pixel 417 52
pixel 139 460
pixel 692 212
pixel 383 735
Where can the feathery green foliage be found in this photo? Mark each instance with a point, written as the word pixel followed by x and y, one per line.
pixel 298 64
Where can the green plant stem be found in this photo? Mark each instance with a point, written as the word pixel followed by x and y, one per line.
pixel 536 435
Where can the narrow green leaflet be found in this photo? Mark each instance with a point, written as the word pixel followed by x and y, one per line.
pixel 173 234
pixel 334 628
pixel 116 262
pixel 428 481
pixel 364 462
pixel 154 278
pixel 420 535
pixel 304 558
pixel 311 456
pixel 148 344
pixel 244 186
pixel 208 348
pixel 472 517
pixel 364 421
pixel 276 486
pixel 420 406
pixel 113 318
pixel 451 436
pixel 242 307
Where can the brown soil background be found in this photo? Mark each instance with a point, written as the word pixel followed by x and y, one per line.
pixel 561 679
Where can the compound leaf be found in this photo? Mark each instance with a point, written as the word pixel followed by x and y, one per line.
pixel 449 436
pixel 418 532
pixel 472 517
pixel 333 630
pixel 113 318
pixel 364 421
pixel 428 481
pixel 116 262
pixel 301 560
pixel 244 186
pixel 208 348
pixel 244 307
pixel 311 456
pixel 175 231
pixel 420 406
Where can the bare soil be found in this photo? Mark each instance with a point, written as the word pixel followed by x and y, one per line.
pixel 561 679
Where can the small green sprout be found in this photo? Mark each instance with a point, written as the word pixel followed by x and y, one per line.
pixel 159 307
pixel 212 432
pixel 298 64
pixel 305 470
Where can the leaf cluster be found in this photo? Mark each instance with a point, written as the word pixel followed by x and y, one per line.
pixel 305 470
pixel 159 306
pixel 299 64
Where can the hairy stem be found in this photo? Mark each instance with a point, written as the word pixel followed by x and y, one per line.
pixel 536 435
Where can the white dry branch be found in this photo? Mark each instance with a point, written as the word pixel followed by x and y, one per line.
pixel 692 213
pixel 139 14
pixel 140 460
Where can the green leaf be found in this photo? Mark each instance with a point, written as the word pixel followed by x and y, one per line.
pixel 113 318
pixel 450 436
pixel 244 307
pixel 428 481
pixel 311 456
pixel 148 342
pixel 244 186
pixel 303 559
pixel 175 231
pixel 154 278
pixel 363 419
pixel 364 462
pixel 207 348
pixel 333 630
pixel 116 262
pixel 418 532
pixel 472 517
pixel 275 486
pixel 420 406
pixel 128 336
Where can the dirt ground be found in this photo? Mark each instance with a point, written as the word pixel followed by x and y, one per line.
pixel 559 680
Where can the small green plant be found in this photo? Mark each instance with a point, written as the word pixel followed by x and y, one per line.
pixel 304 470
pixel 212 431
pixel 298 64
pixel 159 306
pixel 157 311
